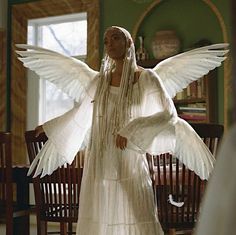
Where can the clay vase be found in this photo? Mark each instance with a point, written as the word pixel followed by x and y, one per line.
pixel 165 44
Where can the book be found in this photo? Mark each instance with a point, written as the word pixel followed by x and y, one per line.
pixel 192 109
pixel 189 117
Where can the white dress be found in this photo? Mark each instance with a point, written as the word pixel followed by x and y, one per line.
pixel 116 195
pixel 116 192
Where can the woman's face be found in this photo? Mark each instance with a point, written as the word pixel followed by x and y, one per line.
pixel 115 43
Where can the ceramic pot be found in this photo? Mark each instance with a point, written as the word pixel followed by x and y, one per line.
pixel 165 44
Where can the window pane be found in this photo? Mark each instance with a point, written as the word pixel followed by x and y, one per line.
pixel 64 35
pixel 69 38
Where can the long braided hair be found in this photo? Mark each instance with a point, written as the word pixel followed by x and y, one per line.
pixel 122 109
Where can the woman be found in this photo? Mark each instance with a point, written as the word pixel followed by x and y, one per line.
pixel 126 111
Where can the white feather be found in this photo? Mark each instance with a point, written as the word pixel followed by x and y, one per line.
pixel 70 75
pixel 179 71
pixel 174 203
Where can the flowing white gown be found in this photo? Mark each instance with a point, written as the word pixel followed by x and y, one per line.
pixel 116 195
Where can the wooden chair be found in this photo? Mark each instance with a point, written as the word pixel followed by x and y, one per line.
pixel 10 212
pixel 172 180
pixel 56 195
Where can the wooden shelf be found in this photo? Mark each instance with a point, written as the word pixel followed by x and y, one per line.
pixel 190 101
pixel 148 63
pixel 208 101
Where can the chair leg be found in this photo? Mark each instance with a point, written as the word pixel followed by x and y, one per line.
pixel 70 228
pixel 42 227
pixel 172 231
pixel 9 226
pixel 63 229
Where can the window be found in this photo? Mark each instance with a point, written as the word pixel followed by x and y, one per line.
pixel 66 34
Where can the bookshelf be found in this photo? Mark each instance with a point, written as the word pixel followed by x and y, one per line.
pixel 197 102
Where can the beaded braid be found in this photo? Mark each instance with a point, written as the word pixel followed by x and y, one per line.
pixel 122 110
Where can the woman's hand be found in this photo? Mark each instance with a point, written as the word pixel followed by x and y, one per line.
pixel 39 130
pixel 121 142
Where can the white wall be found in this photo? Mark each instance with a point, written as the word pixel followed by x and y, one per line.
pixel 3 14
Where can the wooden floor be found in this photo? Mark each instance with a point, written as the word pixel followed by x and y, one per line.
pixel 33 230
pixel 33 227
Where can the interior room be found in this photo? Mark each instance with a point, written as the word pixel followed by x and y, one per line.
pixel 160 29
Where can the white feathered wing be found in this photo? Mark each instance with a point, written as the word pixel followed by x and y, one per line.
pixel 177 72
pixel 78 80
pixel 70 75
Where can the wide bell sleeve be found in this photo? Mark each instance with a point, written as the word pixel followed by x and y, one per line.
pixel 67 134
pixel 153 131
